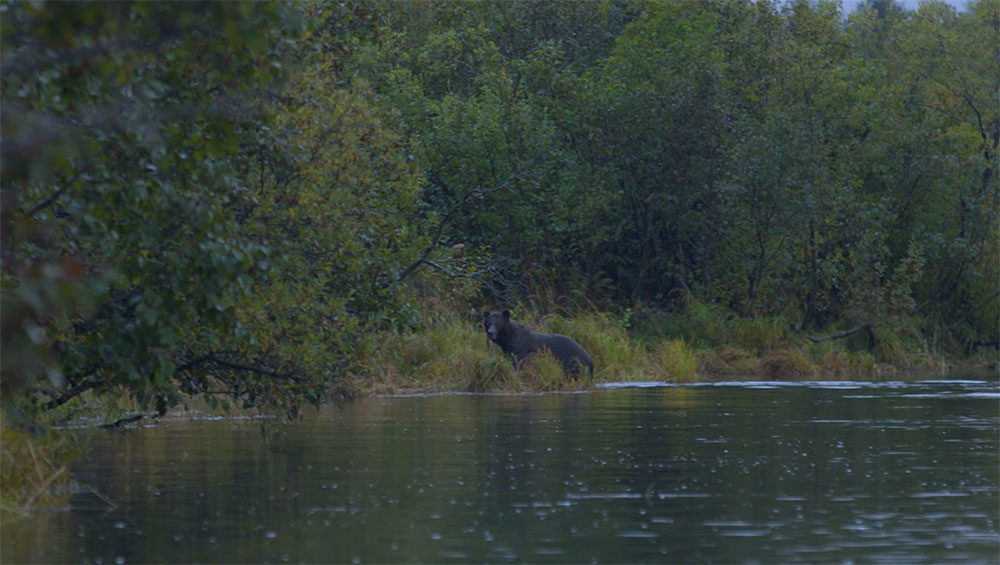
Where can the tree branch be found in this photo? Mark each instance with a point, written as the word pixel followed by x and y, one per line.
pixel 53 197
pixel 474 194
pixel 70 394
pixel 195 362
pixel 474 276
pixel 258 370
pixel 213 359
pixel 838 335
pixel 974 310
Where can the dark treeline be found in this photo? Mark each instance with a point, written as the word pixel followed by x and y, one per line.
pixel 239 200
pixel 771 159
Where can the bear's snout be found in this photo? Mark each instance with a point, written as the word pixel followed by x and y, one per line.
pixel 496 324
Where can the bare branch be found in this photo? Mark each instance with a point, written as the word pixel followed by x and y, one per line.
pixel 70 394
pixel 838 335
pixel 474 194
pixel 974 310
pixel 258 370
pixel 54 196
pixel 459 275
pixel 214 359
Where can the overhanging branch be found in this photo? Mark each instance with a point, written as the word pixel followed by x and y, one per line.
pixel 67 395
pixel 213 360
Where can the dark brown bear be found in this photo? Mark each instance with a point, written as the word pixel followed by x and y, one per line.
pixel 521 342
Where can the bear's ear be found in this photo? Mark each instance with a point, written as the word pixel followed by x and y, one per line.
pixel 506 314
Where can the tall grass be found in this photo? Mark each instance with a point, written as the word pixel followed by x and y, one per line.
pixel 706 326
pixel 703 341
pixel 616 356
pixel 447 354
pixel 676 361
pixel 493 373
pixel 32 470
pixel 452 353
pixel 543 372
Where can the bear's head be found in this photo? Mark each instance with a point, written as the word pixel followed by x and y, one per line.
pixel 496 325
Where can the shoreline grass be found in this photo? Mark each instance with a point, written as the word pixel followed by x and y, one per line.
pixel 34 470
pixel 451 353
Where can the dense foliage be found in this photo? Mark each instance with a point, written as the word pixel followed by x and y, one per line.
pixel 236 200
pixel 197 200
pixel 779 160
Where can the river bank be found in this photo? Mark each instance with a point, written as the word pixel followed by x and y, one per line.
pixel 451 353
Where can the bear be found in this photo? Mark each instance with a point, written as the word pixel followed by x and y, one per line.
pixel 519 341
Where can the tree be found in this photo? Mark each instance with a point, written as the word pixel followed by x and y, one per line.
pixel 196 200
pixel 119 124
pixel 477 87
pixel 952 81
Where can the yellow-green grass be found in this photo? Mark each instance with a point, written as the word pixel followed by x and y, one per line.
pixel 33 468
pixel 676 361
pixel 451 353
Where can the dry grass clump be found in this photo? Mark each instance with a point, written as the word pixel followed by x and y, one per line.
pixel 844 364
pixel 31 470
pixel 727 360
pixel 493 373
pixel 787 363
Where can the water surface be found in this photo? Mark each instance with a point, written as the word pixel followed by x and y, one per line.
pixel 729 472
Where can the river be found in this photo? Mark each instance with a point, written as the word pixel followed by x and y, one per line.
pixel 903 472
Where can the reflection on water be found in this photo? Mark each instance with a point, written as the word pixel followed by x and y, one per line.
pixel 765 472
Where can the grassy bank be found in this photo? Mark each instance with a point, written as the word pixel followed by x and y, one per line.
pixel 451 352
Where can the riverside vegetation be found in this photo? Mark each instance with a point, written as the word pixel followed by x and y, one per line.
pixel 698 343
pixel 266 205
